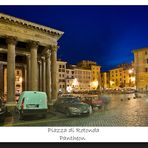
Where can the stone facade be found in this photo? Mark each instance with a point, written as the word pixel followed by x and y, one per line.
pixel 95 70
pixel 141 68
pixel 35 47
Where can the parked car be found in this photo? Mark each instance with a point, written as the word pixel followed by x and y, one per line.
pixel 72 106
pixel 3 110
pixel 94 101
pixel 31 103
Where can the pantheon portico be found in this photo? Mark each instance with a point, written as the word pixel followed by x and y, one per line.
pixel 33 48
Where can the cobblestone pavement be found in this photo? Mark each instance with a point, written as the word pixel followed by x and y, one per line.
pixel 123 110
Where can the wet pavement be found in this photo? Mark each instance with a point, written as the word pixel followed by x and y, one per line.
pixel 122 110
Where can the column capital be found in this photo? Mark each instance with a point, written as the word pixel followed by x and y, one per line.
pixel 54 48
pixel 11 40
pixel 46 48
pixel 39 62
pixel 47 54
pixel 43 58
pixel 28 55
pixel 33 44
pixel 25 66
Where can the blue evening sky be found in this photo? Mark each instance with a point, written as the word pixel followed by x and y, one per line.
pixel 105 34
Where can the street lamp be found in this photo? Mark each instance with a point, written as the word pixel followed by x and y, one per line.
pixel 94 84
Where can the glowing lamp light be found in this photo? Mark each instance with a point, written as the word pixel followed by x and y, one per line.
pixel 130 71
pixel 75 82
pixel 60 90
pixel 112 82
pixel 69 89
pixel 94 84
pixel 133 79
pixel 20 79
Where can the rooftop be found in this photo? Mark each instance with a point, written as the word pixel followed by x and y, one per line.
pixel 140 49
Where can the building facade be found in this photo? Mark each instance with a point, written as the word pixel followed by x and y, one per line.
pixel 83 78
pixel 61 65
pixel 86 63
pixel 70 79
pixel 95 73
pixel 73 78
pixel 31 48
pixel 141 68
pixel 96 77
pixel 123 76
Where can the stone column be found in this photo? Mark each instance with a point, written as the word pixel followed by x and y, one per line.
pixel 54 82
pixel 48 76
pixel 28 73
pixel 11 69
pixel 34 66
pixel 1 79
pixel 43 74
pixel 25 70
pixel 40 75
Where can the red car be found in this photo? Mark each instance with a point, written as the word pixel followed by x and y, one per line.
pixel 94 101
